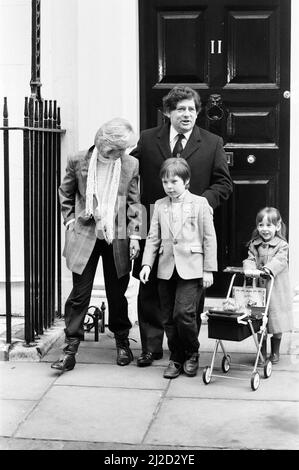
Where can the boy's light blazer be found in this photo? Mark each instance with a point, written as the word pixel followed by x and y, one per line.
pixel 189 245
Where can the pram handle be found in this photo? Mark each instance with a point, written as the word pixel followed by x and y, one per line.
pixel 240 270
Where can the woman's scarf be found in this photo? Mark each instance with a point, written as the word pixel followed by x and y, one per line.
pixel 105 209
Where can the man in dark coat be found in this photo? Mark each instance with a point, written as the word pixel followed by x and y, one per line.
pixel 210 178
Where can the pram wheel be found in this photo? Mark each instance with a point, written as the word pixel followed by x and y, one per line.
pixel 225 364
pixel 255 381
pixel 267 369
pixel 206 375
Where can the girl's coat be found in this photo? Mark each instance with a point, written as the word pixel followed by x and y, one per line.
pixel 274 256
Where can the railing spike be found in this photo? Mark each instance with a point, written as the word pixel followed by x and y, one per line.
pixel 58 118
pixel 55 114
pixel 40 114
pixel 5 113
pixel 46 114
pixel 26 112
pixel 46 110
pixel 31 111
pixel 36 113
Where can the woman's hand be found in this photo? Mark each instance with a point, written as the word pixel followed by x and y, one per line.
pixel 134 249
pixel 144 273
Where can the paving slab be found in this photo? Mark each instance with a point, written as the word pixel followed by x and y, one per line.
pixel 280 386
pixel 92 375
pixel 12 413
pixel 24 381
pixel 226 424
pixel 92 414
pixel 286 362
pixel 8 443
pixel 91 354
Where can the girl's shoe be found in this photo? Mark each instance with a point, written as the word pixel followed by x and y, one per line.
pixel 275 346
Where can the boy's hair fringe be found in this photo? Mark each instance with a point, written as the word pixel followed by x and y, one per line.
pixel 176 166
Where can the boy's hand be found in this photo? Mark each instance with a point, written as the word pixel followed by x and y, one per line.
pixel 207 279
pixel 134 249
pixel 144 273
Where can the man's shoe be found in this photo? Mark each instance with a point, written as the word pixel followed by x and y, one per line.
pixel 191 365
pixel 124 356
pixel 67 362
pixel 173 370
pixel 147 358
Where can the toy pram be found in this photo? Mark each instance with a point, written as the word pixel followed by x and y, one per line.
pixel 244 313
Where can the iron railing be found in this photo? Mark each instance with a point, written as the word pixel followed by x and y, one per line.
pixel 42 135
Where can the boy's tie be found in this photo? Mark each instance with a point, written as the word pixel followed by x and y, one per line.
pixel 178 148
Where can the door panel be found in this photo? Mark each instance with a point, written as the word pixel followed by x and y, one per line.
pixel 250 192
pixel 234 53
pixel 253 126
pixel 181 31
pixel 252 34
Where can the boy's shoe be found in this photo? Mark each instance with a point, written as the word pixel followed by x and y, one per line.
pixel 173 370
pixel 191 365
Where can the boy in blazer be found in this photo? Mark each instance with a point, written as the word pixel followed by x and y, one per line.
pixel 182 233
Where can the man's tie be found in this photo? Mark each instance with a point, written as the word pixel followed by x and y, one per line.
pixel 178 148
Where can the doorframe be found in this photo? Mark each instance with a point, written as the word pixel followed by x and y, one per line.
pixel 294 162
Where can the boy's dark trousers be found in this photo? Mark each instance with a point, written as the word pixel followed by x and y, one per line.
pixel 179 300
pixel 149 310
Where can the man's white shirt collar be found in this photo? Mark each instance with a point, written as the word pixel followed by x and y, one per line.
pixel 173 136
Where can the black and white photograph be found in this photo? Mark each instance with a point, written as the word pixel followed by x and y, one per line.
pixel 149 256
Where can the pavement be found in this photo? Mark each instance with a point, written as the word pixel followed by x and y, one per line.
pixel 102 406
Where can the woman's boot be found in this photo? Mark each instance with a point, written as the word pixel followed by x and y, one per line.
pixel 275 346
pixel 68 360
pixel 124 353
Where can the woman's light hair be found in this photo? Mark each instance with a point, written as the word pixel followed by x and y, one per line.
pixel 116 134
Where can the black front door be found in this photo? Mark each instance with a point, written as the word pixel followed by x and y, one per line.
pixel 236 55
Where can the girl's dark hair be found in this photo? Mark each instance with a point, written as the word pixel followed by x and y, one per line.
pixel 176 167
pixel 274 217
pixel 179 93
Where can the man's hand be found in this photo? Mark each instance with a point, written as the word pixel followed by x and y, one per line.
pixel 207 279
pixel 144 273
pixel 134 249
